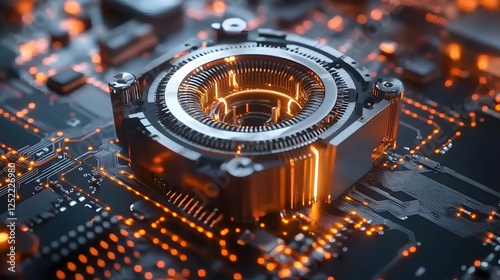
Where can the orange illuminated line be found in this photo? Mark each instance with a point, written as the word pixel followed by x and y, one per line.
pixel 432 111
pixel 316 172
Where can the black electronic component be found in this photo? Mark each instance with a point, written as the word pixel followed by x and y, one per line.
pixel 126 41
pixel 37 204
pixel 143 210
pixel 164 15
pixel 476 31
pixel 59 37
pixel 289 13
pixel 420 70
pixel 66 81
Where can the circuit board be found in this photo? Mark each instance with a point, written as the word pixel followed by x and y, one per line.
pixel 74 209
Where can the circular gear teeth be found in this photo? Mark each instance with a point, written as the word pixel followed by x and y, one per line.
pixel 281 118
pixel 251 72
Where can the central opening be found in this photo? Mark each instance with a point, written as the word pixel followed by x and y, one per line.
pixel 251 90
pixel 253 107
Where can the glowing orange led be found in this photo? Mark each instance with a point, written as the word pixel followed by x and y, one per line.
pixel 71 266
pixel 482 62
pixel 361 19
pixel 454 51
pixel 60 275
pixel 467 5
pixel 148 275
pixel 376 14
pixel 219 6
pixel 335 23
pixel 388 47
pixel 72 7
pixel 3 237
pixel 137 268
pixel 270 266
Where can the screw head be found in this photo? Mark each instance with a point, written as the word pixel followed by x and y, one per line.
pixel 123 80
pixel 234 25
pixel 388 88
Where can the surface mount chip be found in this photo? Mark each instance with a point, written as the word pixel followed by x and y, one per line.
pixel 66 81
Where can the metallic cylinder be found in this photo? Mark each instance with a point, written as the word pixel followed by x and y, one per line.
pixel 124 91
pixel 392 90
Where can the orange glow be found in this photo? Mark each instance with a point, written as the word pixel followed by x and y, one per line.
pixel 388 47
pixel 73 26
pixel 467 5
pixel 454 52
pixel 316 172
pixel 60 275
pixel 202 273
pixel 448 83
pixel 477 263
pixel 491 4
pixel 405 253
pixel 219 6
pixel 72 7
pixel 90 270
pixel 435 19
pixel 71 266
pixel 82 258
pixel 101 263
pixel 93 251
pixel 361 19
pixel 202 35
pixel 482 62
pixel 137 268
pixel 335 23
pixel 96 58
pixel 270 266
pixel 40 78
pixel 376 14
pixel 3 237
pixel 28 50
